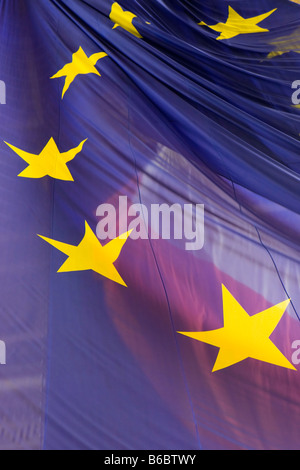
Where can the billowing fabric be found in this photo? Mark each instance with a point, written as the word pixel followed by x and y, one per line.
pixel 165 102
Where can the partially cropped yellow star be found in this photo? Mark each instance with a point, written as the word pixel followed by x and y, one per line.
pixel 81 65
pixel 286 44
pixel 245 336
pixel 236 25
pixel 50 162
pixel 124 19
pixel 91 255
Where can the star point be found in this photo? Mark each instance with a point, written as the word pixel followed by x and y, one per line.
pixel 123 19
pixel 236 25
pixel 244 336
pixel 81 65
pixel 90 255
pixel 50 162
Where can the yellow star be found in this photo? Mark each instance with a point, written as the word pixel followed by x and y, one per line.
pixel 245 336
pixel 286 44
pixel 50 162
pixel 81 65
pixel 124 19
pixel 91 255
pixel 236 25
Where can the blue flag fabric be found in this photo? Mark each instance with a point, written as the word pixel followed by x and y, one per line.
pixel 181 340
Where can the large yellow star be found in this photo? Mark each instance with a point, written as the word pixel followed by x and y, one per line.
pixel 124 19
pixel 245 336
pixel 236 25
pixel 91 255
pixel 81 65
pixel 50 162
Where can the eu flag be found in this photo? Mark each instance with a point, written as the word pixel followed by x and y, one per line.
pixel 149 224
